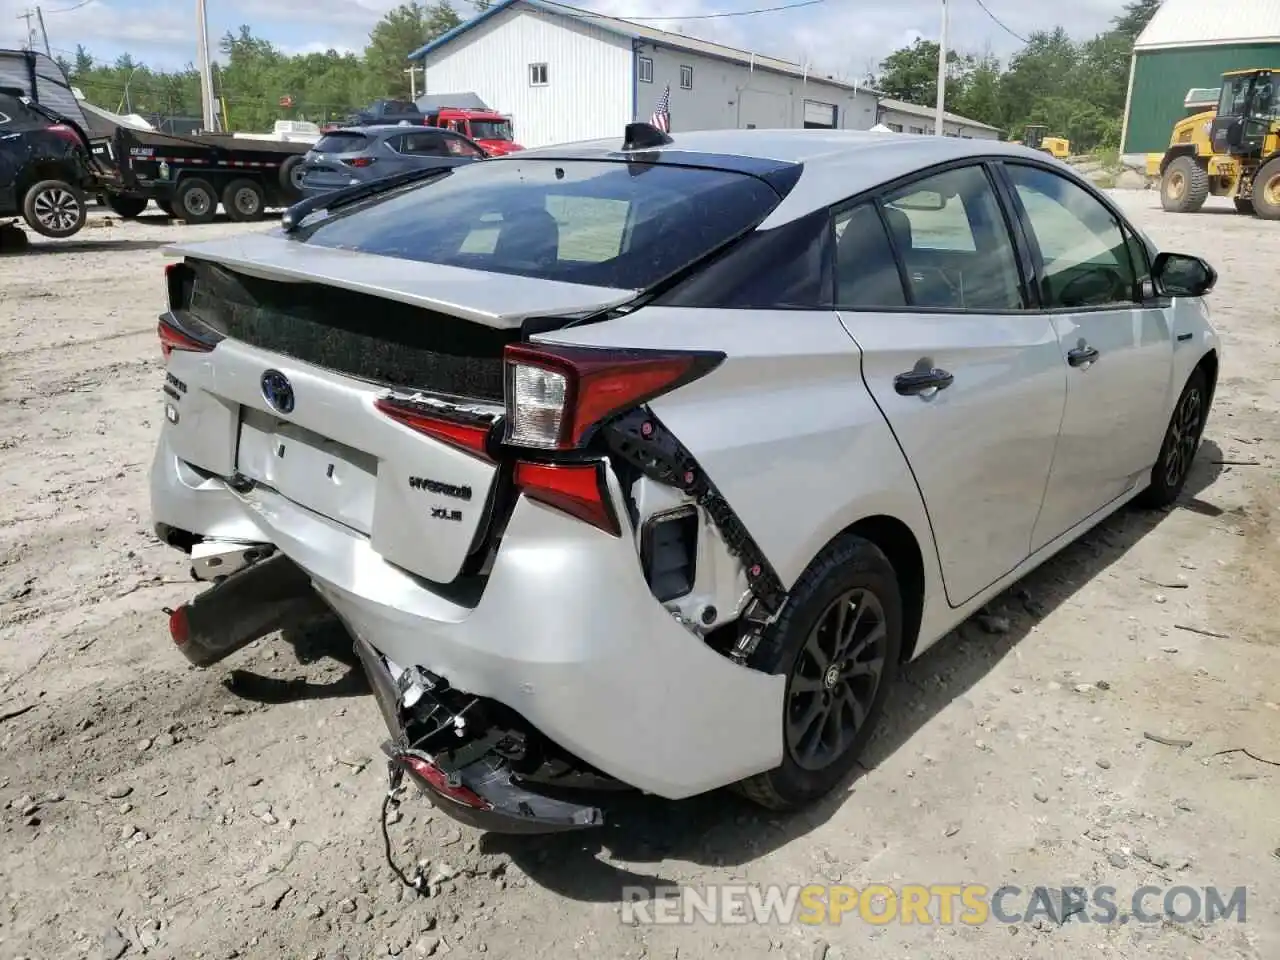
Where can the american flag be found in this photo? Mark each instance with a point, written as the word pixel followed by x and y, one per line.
pixel 662 112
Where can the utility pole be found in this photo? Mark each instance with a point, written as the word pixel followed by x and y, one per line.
pixel 202 61
pixel 413 83
pixel 27 17
pixel 44 34
pixel 938 128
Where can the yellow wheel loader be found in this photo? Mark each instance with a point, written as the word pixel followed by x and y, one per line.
pixel 1034 137
pixel 1231 151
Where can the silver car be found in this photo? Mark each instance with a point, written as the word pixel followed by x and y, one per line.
pixel 648 462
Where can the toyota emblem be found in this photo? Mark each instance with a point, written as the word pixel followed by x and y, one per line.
pixel 277 391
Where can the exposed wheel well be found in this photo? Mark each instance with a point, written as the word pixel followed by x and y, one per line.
pixel 1209 364
pixel 47 170
pixel 1173 153
pixel 899 544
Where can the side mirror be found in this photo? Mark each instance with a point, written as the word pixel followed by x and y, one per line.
pixel 1182 275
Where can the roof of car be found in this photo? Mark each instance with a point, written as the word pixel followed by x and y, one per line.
pixel 837 163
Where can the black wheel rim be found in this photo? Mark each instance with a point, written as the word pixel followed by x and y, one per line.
pixel 57 209
pixel 1184 434
pixel 835 679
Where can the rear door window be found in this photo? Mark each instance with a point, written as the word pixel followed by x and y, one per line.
pixel 341 142
pixel 601 223
pixel 457 147
pixel 423 145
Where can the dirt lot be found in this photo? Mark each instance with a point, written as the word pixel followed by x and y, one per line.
pixel 149 808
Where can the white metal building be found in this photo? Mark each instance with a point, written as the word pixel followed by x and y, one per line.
pixel 566 74
pixel 902 117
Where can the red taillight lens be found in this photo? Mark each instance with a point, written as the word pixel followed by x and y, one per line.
pixel 578 489
pixel 179 628
pixel 557 395
pixel 62 131
pixel 171 339
pixel 439 782
pixel 359 161
pixel 471 438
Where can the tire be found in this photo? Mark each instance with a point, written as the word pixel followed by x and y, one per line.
pixel 290 177
pixel 12 239
pixel 1266 190
pixel 128 208
pixel 850 575
pixel 1185 186
pixel 1181 441
pixel 55 208
pixel 1244 206
pixel 195 201
pixel 244 200
pixel 167 208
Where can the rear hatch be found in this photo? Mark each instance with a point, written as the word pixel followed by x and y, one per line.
pixel 337 160
pixel 415 294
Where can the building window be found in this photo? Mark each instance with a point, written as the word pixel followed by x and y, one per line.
pixel 917 129
pixel 644 69
pixel 538 76
pixel 686 78
pixel 895 127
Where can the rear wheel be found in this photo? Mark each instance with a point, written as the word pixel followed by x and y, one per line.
pixel 1266 190
pixel 195 201
pixel 1181 441
pixel 55 208
pixel 1185 186
pixel 12 239
pixel 838 642
pixel 128 208
pixel 291 177
pixel 1244 206
pixel 244 200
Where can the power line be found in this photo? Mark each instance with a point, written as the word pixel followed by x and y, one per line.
pixel 82 3
pixel 1000 23
pixel 588 15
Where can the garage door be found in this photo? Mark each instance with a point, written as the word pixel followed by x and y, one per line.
pixel 819 115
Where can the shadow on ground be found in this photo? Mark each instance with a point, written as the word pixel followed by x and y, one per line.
pixel 36 248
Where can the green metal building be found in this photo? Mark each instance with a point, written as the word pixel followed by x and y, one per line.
pixel 1190 43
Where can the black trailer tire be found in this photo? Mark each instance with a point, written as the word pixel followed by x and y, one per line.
pixel 127 208
pixel 55 208
pixel 834 670
pixel 291 177
pixel 1266 190
pixel 1185 186
pixel 244 200
pixel 195 200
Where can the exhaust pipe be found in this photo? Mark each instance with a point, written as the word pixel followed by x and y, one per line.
pixel 269 595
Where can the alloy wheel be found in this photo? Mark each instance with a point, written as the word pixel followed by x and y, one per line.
pixel 1184 434
pixel 57 209
pixel 835 679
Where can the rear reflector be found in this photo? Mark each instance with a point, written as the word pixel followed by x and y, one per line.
pixel 172 338
pixel 179 628
pixel 359 161
pixel 578 489
pixel 557 395
pixel 438 780
pixel 467 435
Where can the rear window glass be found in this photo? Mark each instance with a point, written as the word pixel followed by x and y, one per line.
pixel 341 143
pixel 601 223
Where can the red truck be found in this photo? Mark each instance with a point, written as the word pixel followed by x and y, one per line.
pixel 489 129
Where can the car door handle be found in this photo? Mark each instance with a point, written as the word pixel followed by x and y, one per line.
pixel 922 381
pixel 1082 355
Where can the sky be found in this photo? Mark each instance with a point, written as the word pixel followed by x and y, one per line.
pixel 844 38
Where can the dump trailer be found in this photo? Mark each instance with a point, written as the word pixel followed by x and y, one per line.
pixel 1231 150
pixel 188 176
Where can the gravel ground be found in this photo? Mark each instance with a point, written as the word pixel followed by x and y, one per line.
pixel 152 809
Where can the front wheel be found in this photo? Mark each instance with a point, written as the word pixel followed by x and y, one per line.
pixel 838 642
pixel 1266 190
pixel 55 208
pixel 1181 441
pixel 195 202
pixel 1185 186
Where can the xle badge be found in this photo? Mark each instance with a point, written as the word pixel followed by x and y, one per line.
pixel 444 513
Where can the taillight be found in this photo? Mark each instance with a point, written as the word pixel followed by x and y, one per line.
pixel 557 395
pixel 172 338
pixel 439 781
pixel 578 489
pixel 359 161
pixel 62 131
pixel 470 437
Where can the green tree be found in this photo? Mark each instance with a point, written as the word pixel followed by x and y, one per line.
pixel 398 34
pixel 1134 19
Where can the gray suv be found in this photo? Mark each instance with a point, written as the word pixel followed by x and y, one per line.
pixel 345 157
